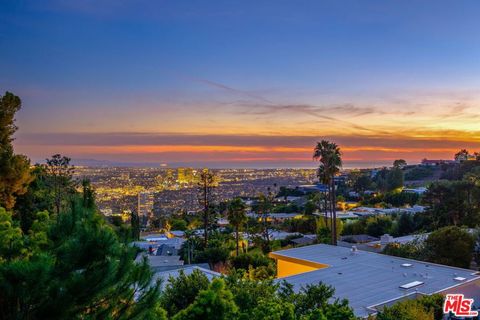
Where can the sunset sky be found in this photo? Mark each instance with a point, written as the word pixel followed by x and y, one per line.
pixel 242 83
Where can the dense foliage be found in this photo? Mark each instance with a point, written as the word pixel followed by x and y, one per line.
pixel 437 248
pixel 424 308
pixel 71 265
pixel 239 297
pixel 14 168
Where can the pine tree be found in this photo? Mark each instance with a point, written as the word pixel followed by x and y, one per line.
pixel 14 169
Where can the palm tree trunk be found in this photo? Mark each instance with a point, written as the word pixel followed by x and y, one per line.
pixel 326 209
pixel 205 217
pixel 334 212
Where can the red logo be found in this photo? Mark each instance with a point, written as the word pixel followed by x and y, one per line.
pixel 459 306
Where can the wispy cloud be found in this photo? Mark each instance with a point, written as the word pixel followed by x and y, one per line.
pixel 221 86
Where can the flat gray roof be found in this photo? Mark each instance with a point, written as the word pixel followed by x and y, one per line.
pixel 368 279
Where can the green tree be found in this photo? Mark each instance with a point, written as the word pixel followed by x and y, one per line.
pixel 11 240
pixel 216 252
pixel 394 178
pixel 324 229
pixel 237 217
pixel 214 303
pixel 181 291
pixel 359 181
pixel 88 193
pixel 39 197
pixel 72 266
pixel 409 310
pixel 135 225
pixel 399 163
pixel 453 203
pixel 14 169
pixel 405 225
pixel 439 246
pixel 355 227
pixel 178 224
pixel 249 261
pixel 330 157
pixel 423 308
pixel 310 208
pixel 412 250
pixel 379 225
pixel 462 155
pixel 59 174
pixel 314 301
pixel 249 294
pixel 272 309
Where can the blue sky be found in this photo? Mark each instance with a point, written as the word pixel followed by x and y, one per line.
pixel 353 71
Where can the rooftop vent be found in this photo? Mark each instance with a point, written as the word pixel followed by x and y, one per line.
pixel 411 285
pixel 407 265
pixel 459 279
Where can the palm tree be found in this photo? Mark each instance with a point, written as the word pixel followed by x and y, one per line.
pixel 236 216
pixel 325 179
pixel 330 157
pixel 207 182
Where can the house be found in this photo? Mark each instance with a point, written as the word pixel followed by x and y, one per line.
pixel 177 234
pixel 275 217
pixel 303 241
pixel 358 238
pixel 419 191
pixel 288 199
pixel 157 262
pixel 156 241
pixel 165 275
pixel 222 222
pixel 166 250
pixel 280 235
pixel 384 240
pixel 309 188
pixel 371 280
pixel 343 215
pixel 430 163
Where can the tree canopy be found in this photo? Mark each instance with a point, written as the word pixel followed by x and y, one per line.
pixel 14 169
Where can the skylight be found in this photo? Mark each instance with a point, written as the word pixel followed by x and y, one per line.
pixel 411 285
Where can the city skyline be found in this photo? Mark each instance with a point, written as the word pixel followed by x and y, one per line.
pixel 242 84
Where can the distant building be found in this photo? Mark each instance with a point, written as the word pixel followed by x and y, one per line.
pixel 426 162
pixel 358 238
pixel 166 250
pixel 305 240
pixel 157 262
pixel 419 191
pixel 145 204
pixel 309 188
pixel 275 217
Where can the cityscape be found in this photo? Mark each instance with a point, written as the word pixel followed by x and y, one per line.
pixel 234 160
pixel 174 190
